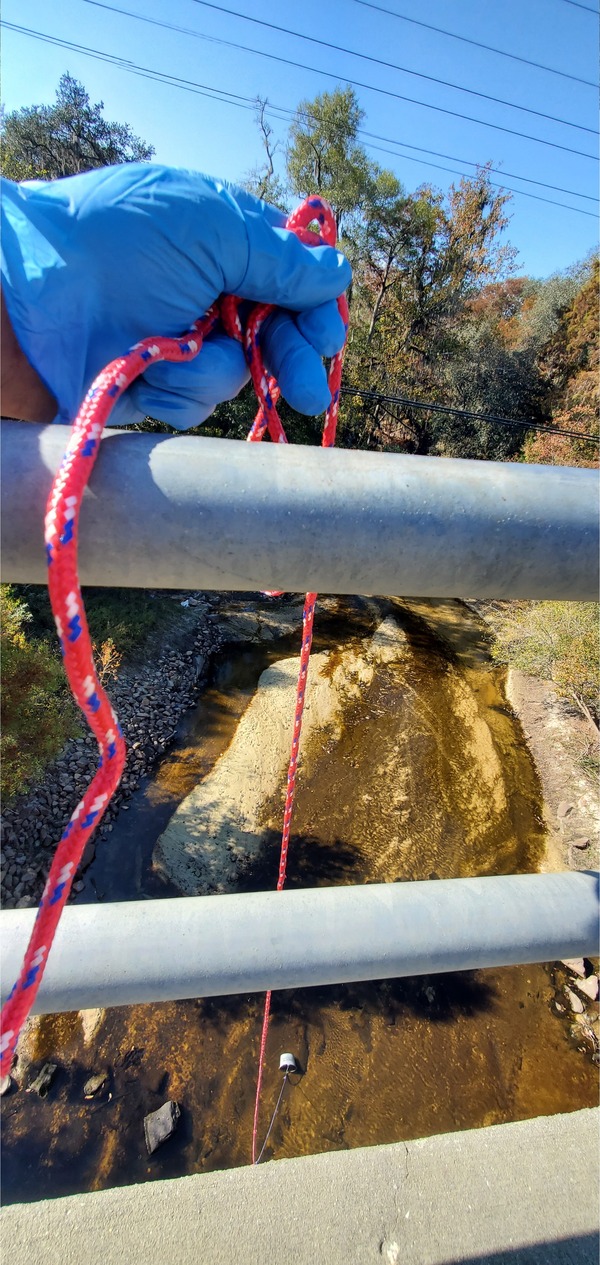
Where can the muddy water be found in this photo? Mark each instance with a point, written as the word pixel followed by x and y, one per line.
pixel 427 777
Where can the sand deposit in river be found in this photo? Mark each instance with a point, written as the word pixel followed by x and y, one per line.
pixel 218 826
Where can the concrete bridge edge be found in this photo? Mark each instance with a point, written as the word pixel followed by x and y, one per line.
pixel 513 1194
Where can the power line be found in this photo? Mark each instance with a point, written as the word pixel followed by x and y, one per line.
pixel 511 175
pixel 368 4
pixel 453 171
pixel 577 5
pixel 461 412
pixel 143 72
pixel 378 61
pixel 276 112
pixel 397 96
pixel 387 139
pixel 228 98
pixel 357 83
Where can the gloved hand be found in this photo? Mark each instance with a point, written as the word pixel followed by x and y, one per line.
pixel 93 263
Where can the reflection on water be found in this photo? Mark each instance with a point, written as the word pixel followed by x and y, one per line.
pixel 429 778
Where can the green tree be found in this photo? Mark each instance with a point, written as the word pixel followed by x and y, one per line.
pixel 484 376
pixel 545 304
pixel 486 373
pixel 50 141
pixel 324 154
pixel 558 641
pixel 423 258
pixel 382 239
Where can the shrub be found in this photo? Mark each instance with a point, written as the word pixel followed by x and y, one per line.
pixel 37 715
pixel 124 617
pixel 558 641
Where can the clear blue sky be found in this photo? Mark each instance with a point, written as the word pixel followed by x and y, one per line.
pixel 192 130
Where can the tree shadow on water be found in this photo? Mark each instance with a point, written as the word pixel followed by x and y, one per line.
pixel 312 862
pixel 431 998
pixel 435 999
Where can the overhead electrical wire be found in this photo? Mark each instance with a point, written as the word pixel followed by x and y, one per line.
pixel 236 99
pixel 357 83
pixel 144 72
pixel 388 65
pixel 429 406
pixel 510 175
pixel 501 52
pixel 538 197
pixel 387 139
pixel 396 96
pixel 587 7
pixel 278 111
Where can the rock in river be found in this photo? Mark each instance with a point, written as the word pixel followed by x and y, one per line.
pixel 160 1125
pixel 42 1082
pixel 95 1084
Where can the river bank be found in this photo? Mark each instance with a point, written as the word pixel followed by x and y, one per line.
pixel 151 694
pixel 565 748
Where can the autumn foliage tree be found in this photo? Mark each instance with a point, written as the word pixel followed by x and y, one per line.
pixel 422 257
pixel 569 367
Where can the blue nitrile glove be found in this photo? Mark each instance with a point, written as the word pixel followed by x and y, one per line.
pixel 93 263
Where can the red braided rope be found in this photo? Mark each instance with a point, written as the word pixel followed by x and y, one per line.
pixel 61 534
pixel 267 417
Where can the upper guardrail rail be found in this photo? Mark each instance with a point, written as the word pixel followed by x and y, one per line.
pixel 187 512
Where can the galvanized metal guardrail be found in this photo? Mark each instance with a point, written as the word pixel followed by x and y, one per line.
pixel 187 512
pixel 151 951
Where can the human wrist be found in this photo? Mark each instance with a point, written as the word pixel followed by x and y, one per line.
pixel 24 395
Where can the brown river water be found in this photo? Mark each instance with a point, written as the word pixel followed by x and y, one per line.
pixel 427 777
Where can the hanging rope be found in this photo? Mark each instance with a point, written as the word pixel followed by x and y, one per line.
pixel 61 536
pixel 268 418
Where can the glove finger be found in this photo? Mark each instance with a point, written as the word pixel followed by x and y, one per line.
pixel 249 204
pixel 296 365
pixel 282 270
pixel 323 328
pixel 167 406
pixel 186 394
